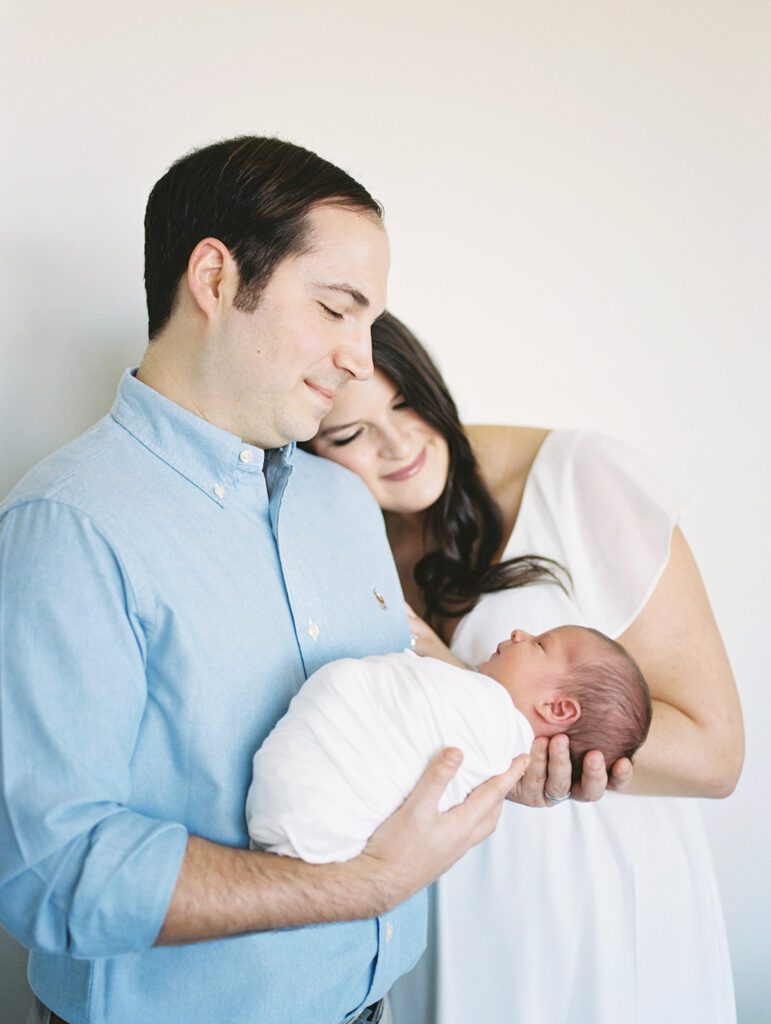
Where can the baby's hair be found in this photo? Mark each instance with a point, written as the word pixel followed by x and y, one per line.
pixel 615 704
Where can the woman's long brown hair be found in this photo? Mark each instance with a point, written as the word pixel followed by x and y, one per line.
pixel 464 525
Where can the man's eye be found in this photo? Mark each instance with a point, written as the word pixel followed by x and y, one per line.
pixel 331 312
pixel 346 440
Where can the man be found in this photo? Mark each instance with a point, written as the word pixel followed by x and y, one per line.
pixel 167 582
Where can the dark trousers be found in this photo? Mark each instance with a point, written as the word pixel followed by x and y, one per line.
pixel 40 1014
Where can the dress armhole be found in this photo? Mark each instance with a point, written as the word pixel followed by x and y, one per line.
pixel 614 515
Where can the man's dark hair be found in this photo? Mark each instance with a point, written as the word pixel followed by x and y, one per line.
pixel 251 193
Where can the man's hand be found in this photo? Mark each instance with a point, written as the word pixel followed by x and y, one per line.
pixel 223 890
pixel 550 773
pixel 418 843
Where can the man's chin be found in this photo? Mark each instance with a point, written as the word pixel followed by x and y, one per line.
pixel 307 432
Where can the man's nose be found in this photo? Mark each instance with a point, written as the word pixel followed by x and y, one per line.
pixel 355 354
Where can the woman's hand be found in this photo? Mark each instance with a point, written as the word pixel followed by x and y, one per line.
pixel 427 642
pixel 547 779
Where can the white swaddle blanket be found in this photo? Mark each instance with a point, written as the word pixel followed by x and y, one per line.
pixel 356 739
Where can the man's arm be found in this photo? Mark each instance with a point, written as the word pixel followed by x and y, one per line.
pixel 223 891
pixel 81 870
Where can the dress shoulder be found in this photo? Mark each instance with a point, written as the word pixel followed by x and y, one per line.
pixel 602 509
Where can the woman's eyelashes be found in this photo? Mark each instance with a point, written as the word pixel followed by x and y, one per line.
pixel 399 403
pixel 347 440
pixel 331 312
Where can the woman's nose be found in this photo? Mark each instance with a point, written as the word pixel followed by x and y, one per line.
pixel 395 444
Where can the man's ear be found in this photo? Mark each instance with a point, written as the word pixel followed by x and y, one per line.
pixel 212 276
pixel 561 711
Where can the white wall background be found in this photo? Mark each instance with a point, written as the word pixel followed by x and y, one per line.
pixel 578 199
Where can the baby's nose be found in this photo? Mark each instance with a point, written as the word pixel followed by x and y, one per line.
pixel 519 635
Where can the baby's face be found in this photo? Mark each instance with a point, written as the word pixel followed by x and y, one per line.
pixel 531 667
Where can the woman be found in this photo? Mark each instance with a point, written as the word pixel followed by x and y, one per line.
pixel 600 912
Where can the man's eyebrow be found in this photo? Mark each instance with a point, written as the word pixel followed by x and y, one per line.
pixel 356 295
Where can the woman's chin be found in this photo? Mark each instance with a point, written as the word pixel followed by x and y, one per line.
pixel 415 497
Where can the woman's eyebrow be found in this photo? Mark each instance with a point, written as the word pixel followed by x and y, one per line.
pixel 339 426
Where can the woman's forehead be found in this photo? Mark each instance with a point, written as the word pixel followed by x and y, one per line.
pixel 360 398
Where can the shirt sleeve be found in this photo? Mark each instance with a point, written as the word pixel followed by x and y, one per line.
pixel 613 513
pixel 80 871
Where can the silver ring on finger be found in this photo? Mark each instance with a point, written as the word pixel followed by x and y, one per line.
pixel 557 799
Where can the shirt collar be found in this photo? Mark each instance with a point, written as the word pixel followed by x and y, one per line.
pixel 207 456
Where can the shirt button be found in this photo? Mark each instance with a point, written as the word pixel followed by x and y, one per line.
pixel 389 931
pixel 219 491
pixel 313 630
pixel 245 456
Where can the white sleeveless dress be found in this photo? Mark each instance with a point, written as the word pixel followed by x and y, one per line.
pixel 583 913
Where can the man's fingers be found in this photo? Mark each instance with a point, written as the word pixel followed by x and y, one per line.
pixel 514 773
pixel 508 782
pixel 482 808
pixel 435 779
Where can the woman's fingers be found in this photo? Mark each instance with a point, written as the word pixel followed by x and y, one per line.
pixel 547 780
pixel 621 773
pixel 560 770
pixel 594 778
pixel 528 790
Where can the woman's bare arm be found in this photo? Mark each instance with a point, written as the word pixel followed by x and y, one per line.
pixel 696 743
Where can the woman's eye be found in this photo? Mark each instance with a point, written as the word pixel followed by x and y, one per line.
pixel 346 440
pixel 401 404
pixel 331 312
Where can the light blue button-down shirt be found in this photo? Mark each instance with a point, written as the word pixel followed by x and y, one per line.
pixel 165 589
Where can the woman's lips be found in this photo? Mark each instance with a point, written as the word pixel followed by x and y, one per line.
pixel 407 471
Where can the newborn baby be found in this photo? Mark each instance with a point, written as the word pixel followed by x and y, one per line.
pixel 359 734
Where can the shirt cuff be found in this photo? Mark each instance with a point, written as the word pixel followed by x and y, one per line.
pixel 122 896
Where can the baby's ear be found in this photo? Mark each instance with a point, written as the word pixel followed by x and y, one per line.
pixel 562 711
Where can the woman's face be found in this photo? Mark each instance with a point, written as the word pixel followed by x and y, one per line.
pixel 371 430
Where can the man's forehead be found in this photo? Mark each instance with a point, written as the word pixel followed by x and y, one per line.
pixel 329 225
pixel 346 251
